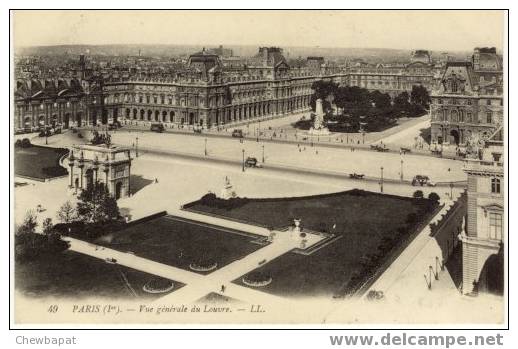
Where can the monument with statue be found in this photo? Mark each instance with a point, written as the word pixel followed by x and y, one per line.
pixel 319 128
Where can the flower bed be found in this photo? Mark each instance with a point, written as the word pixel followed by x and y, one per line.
pixel 203 266
pixel 257 279
pixel 158 285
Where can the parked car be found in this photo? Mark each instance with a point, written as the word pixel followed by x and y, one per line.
pixel 157 128
pixel 237 133
pixel 422 180
pixel 356 176
pixel 114 125
pixel 252 162
pixel 111 260
pixel 405 150
pixel 437 152
pixel 379 147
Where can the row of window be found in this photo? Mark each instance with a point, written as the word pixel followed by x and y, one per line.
pixel 458 116
pixel 456 101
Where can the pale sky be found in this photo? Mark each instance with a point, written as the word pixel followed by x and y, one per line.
pixel 433 30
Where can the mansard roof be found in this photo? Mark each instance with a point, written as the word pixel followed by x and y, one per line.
pixel 47 88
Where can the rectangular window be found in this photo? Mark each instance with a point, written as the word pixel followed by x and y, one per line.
pixel 495 185
pixel 488 102
pixel 469 101
pixel 489 117
pixel 495 226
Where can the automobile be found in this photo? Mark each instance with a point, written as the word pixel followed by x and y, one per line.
pixel 111 260
pixel 252 162
pixel 237 133
pixel 114 125
pixel 437 152
pixel 405 150
pixel 356 176
pixel 157 128
pixel 422 180
pixel 197 129
pixel 378 147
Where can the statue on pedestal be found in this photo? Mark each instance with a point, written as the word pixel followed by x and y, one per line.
pixel 227 192
pixel 318 124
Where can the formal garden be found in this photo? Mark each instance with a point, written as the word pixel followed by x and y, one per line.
pixel 73 275
pixel 180 243
pixel 38 162
pixel 45 267
pixel 370 229
pixel 358 109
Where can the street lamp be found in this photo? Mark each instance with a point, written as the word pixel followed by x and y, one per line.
pixel 401 170
pixel 263 153
pixel 381 180
pixel 136 147
pixel 451 190
pixel 205 146
pixel 243 163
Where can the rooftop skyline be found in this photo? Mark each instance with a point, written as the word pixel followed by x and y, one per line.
pixel 433 30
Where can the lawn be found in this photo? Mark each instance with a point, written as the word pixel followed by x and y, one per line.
pixel 369 228
pixel 73 275
pixel 39 162
pixel 179 243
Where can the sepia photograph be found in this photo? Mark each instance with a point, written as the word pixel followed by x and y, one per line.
pixel 259 167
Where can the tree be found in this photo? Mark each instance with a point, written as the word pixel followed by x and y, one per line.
pixel 418 194
pixel 420 96
pixel 66 213
pixel 401 101
pixel 381 100
pixel 434 197
pixel 323 90
pixel 29 224
pixel 96 205
pixel 48 227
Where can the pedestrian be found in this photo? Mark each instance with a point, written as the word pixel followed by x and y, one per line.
pixel 156 180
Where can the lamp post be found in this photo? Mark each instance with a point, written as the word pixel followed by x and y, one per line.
pixel 243 163
pixel 205 146
pixel 71 164
pixel 381 180
pixel 263 153
pixel 136 147
pixel 451 190
pixel 401 169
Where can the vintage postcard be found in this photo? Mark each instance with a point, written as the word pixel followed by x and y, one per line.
pixel 259 167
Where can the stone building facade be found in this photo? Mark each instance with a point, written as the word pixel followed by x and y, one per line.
pixel 392 79
pixel 91 164
pixel 205 93
pixel 468 102
pixel 483 239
